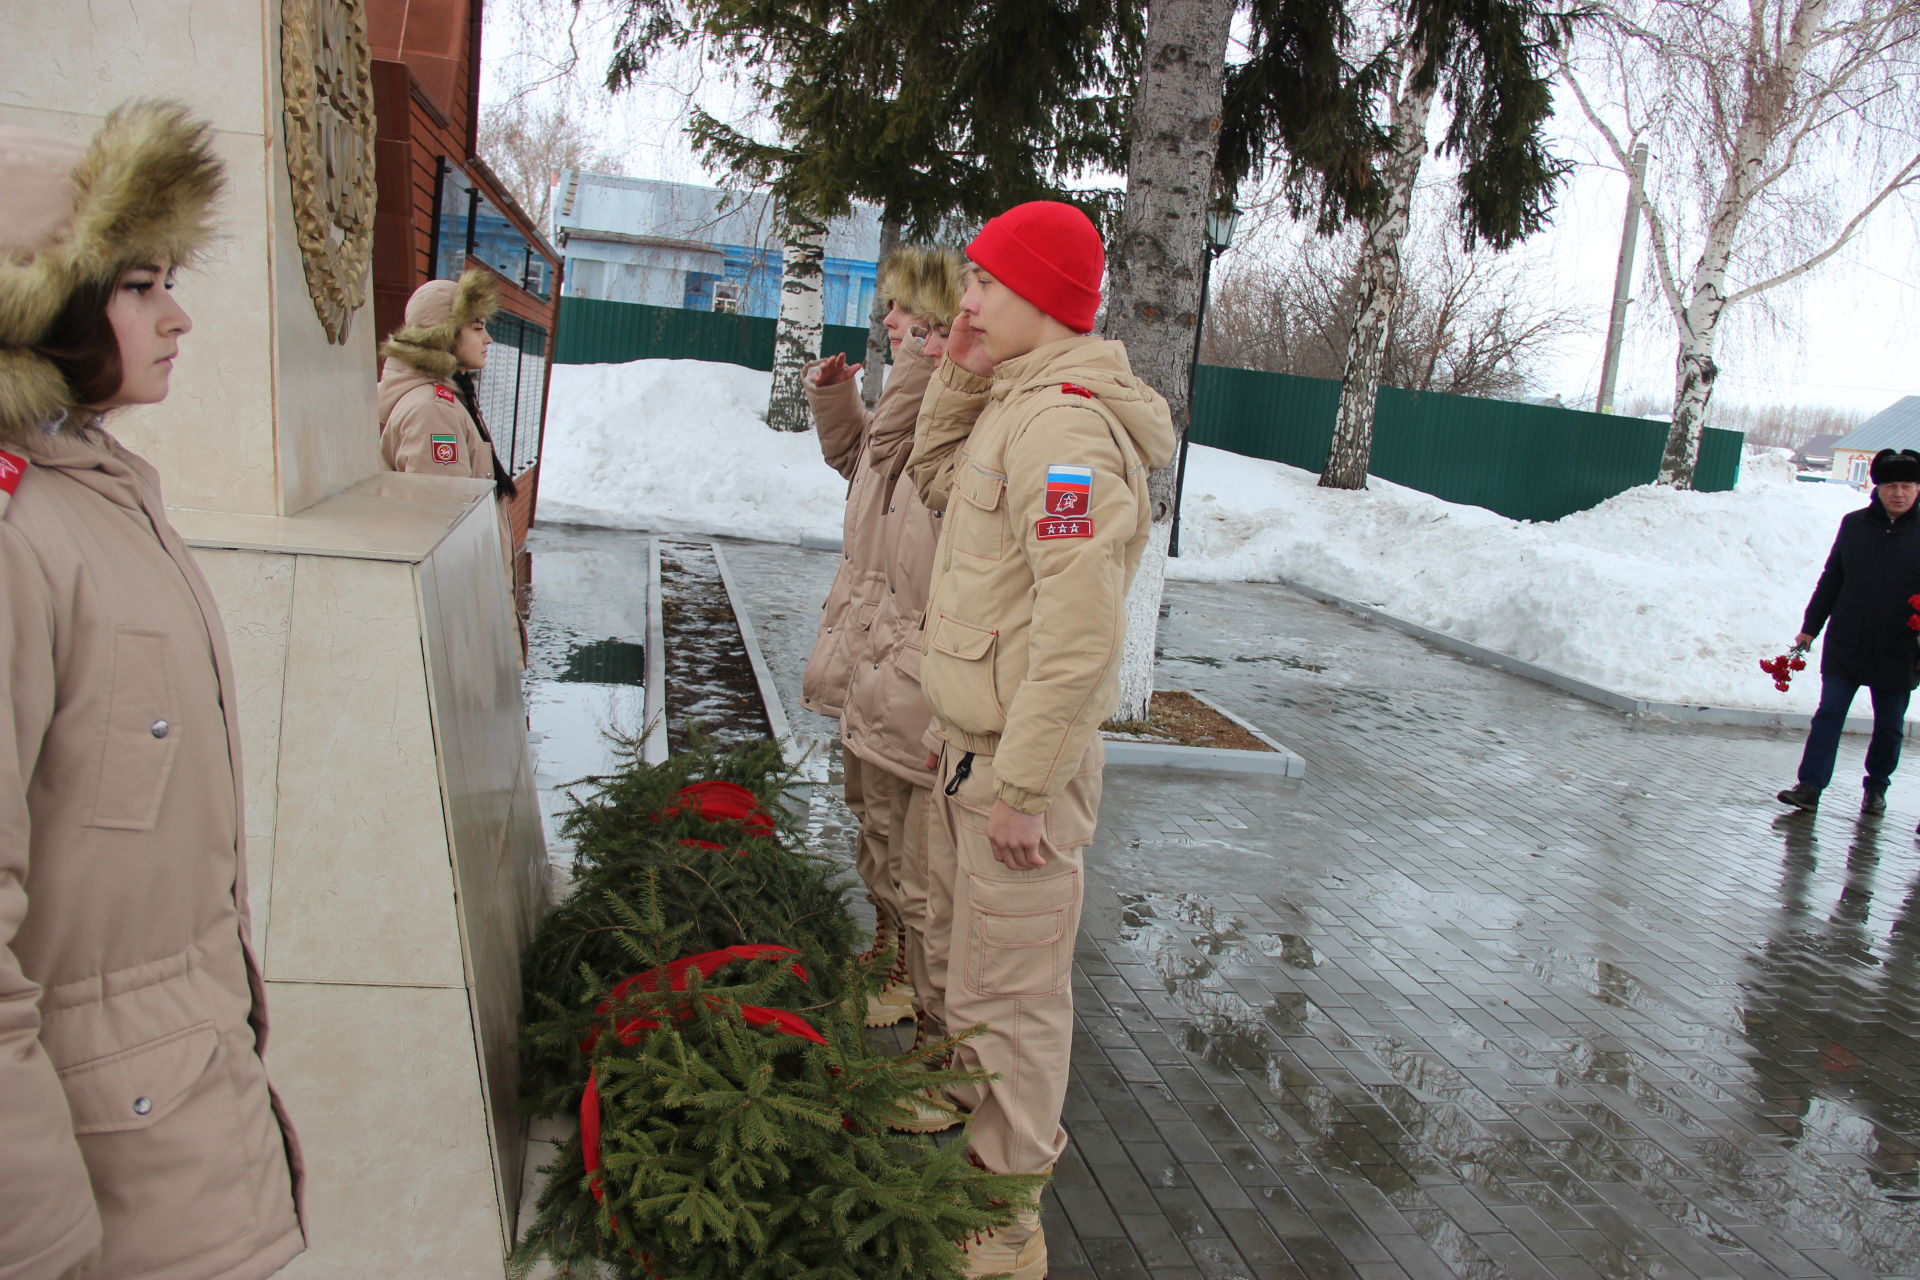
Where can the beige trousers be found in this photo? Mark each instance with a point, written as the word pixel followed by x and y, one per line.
pixel 870 794
pixel 908 853
pixel 1000 953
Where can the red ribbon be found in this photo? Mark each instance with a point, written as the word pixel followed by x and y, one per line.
pixel 718 801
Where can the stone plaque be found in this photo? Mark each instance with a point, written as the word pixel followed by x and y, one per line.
pixel 326 75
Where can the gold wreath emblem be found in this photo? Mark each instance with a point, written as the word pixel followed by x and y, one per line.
pixel 326 75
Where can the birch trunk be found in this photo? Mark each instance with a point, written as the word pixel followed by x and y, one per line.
pixel 796 338
pixel 1351 451
pixel 1153 276
pixel 874 371
pixel 1762 119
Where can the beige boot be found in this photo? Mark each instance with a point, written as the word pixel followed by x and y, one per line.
pixel 1018 1252
pixel 928 1111
pixel 890 1004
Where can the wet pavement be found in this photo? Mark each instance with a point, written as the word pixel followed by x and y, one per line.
pixel 1508 986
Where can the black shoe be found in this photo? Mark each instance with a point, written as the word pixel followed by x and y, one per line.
pixel 1874 801
pixel 1800 796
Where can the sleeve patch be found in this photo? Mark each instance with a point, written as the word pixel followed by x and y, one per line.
pixel 445 393
pixel 1069 489
pixel 12 467
pixel 1044 529
pixel 446 450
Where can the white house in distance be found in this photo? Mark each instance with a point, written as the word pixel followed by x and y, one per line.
pixel 674 244
pixel 1895 427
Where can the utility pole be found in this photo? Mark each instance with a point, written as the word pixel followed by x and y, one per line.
pixel 1622 281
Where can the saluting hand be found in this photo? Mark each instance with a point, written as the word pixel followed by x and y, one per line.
pixel 965 349
pixel 833 369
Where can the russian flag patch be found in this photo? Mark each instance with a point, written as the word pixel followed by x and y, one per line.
pixel 1069 489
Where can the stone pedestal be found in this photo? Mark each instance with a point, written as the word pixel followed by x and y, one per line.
pixel 394 841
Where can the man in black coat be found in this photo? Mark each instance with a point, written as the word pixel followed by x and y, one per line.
pixel 1872 570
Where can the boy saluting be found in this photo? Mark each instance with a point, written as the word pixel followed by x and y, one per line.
pixel 1036 440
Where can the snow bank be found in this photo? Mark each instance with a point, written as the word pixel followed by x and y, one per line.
pixel 1660 594
pixel 1655 593
pixel 681 445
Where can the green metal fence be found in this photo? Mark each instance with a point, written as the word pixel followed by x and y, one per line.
pixel 1524 461
pixel 596 332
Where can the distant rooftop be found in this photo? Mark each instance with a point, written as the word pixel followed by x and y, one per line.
pixel 1895 427
pixel 606 206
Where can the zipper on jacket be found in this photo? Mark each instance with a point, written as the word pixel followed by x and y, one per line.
pixel 961 772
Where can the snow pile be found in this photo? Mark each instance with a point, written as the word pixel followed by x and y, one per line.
pixel 1656 593
pixel 681 445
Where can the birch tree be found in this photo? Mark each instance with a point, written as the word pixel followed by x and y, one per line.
pixel 1492 64
pixel 1778 128
pixel 796 336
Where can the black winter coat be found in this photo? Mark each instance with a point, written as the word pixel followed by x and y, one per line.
pixel 1873 567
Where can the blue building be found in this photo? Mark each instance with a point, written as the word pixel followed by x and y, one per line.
pixel 674 244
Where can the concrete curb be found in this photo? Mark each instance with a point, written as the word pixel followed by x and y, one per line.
pixel 1279 762
pixel 804 756
pixel 1680 712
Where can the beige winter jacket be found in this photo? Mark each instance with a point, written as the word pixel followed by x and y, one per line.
pixel 135 1115
pixel 851 439
pixel 425 428
pixel 887 717
pixel 1042 473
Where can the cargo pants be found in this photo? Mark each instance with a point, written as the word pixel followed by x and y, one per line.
pixel 1000 953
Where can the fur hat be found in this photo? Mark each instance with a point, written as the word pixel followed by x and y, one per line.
pixel 436 313
pixel 926 281
pixel 71 216
pixel 1889 467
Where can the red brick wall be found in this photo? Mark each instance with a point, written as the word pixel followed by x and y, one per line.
pixel 425 81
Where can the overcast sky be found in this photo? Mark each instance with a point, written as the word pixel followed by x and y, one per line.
pixel 1846 335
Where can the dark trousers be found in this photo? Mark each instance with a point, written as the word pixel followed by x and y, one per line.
pixel 1823 740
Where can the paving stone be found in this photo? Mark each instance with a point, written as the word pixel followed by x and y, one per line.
pixel 1509 986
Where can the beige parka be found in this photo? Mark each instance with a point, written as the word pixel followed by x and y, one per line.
pixel 868 449
pixel 135 1115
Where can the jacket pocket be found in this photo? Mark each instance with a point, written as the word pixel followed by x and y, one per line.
pixel 1020 934
pixel 960 690
pixel 140 735
pixel 978 525
pixel 159 1126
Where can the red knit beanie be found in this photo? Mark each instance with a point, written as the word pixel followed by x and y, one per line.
pixel 1050 254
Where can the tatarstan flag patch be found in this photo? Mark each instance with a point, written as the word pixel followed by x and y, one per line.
pixel 446 449
pixel 1069 489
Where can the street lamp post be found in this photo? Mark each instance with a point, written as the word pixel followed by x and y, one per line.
pixel 1222 218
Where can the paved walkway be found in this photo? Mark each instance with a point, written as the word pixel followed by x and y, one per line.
pixel 1509 986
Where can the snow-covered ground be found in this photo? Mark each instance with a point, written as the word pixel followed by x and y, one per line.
pixel 1659 594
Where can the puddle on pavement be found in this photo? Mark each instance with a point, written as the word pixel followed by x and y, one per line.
pixel 578 692
pixel 1826 1005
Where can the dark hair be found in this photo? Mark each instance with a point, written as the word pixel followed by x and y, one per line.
pixel 81 344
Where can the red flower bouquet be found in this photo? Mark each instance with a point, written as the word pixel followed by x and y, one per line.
pixel 1783 667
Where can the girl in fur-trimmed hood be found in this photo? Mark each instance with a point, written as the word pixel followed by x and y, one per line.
pixel 139 1134
pixel 430 419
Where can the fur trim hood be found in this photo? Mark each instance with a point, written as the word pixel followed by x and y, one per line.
pixel 142 190
pixel 436 313
pixel 926 280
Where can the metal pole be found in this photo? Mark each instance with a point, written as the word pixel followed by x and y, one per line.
pixel 1193 371
pixel 1622 281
